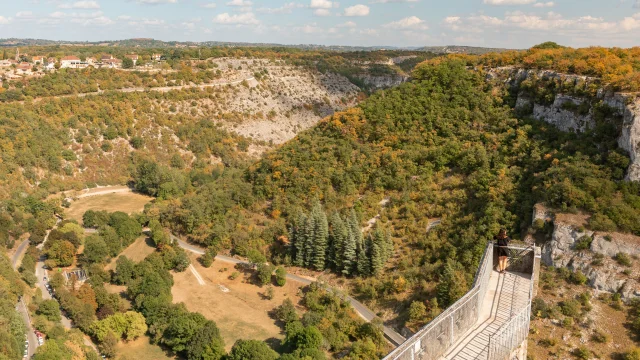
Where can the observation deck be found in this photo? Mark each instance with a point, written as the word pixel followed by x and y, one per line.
pixel 490 322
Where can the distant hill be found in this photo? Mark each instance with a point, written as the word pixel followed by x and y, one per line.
pixel 153 43
pixel 455 49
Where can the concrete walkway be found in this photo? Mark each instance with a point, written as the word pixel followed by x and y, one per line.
pixel 507 294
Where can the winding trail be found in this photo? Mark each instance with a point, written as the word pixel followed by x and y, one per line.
pixel 391 335
pixel 144 89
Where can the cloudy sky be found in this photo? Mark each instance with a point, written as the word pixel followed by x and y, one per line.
pixel 491 23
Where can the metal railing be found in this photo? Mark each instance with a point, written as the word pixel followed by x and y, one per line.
pixel 510 335
pixel 435 338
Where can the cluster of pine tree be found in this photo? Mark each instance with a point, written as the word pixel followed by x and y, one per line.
pixel 338 243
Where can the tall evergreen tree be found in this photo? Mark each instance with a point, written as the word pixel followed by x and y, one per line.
pixel 320 237
pixel 338 235
pixel 378 248
pixel 298 239
pixel 364 262
pixel 349 256
pixel 309 235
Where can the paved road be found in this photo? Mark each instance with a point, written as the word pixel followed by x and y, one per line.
pixel 41 272
pixel 362 310
pixel 21 307
pixel 19 252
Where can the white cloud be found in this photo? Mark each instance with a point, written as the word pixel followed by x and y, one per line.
pixel 322 4
pixel 4 20
pixel 80 5
pixel 544 4
pixel 508 2
pixel 239 3
pixel 188 25
pixel 391 1
pixel 549 24
pixel 322 12
pixel 348 24
pixel 210 5
pixel 100 20
pixel 156 2
pixel 24 14
pixel 411 22
pixel 123 17
pixel 236 19
pixel 357 10
pixel 631 23
pixel 147 22
pixel 284 9
pixel 82 18
pixel 309 29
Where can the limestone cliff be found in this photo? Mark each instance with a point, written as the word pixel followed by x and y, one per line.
pixel 597 260
pixel 383 81
pixel 569 112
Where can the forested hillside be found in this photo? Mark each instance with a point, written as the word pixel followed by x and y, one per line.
pixel 443 146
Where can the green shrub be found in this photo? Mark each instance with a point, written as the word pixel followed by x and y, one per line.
pixel 598 259
pixel 578 278
pixel 600 337
pixel 106 146
pixel 69 155
pixel 538 224
pixel 567 322
pixel 570 308
pixel 548 342
pixel 583 243
pixel 234 275
pixel 633 354
pixel 582 353
pixel 623 259
pixel 417 311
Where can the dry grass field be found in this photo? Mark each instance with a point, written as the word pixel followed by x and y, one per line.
pixel 141 349
pixel 126 202
pixel 137 251
pixel 240 313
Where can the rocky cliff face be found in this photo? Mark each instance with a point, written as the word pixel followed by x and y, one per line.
pixel 383 81
pixel 563 114
pixel 596 262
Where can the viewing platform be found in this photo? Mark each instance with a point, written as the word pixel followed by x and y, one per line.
pixel 490 322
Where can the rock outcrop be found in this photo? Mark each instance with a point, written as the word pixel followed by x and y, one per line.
pixel 383 81
pixel 562 112
pixel 596 262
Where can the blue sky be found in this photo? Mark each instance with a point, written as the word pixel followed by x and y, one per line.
pixel 491 23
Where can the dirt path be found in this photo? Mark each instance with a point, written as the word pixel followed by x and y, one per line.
pixel 360 308
pixel 196 274
pixel 374 219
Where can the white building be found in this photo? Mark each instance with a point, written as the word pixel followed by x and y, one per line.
pixel 70 62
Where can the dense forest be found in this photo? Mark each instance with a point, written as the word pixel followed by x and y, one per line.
pixel 617 68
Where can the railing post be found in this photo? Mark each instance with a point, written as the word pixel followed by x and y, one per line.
pixel 451 332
